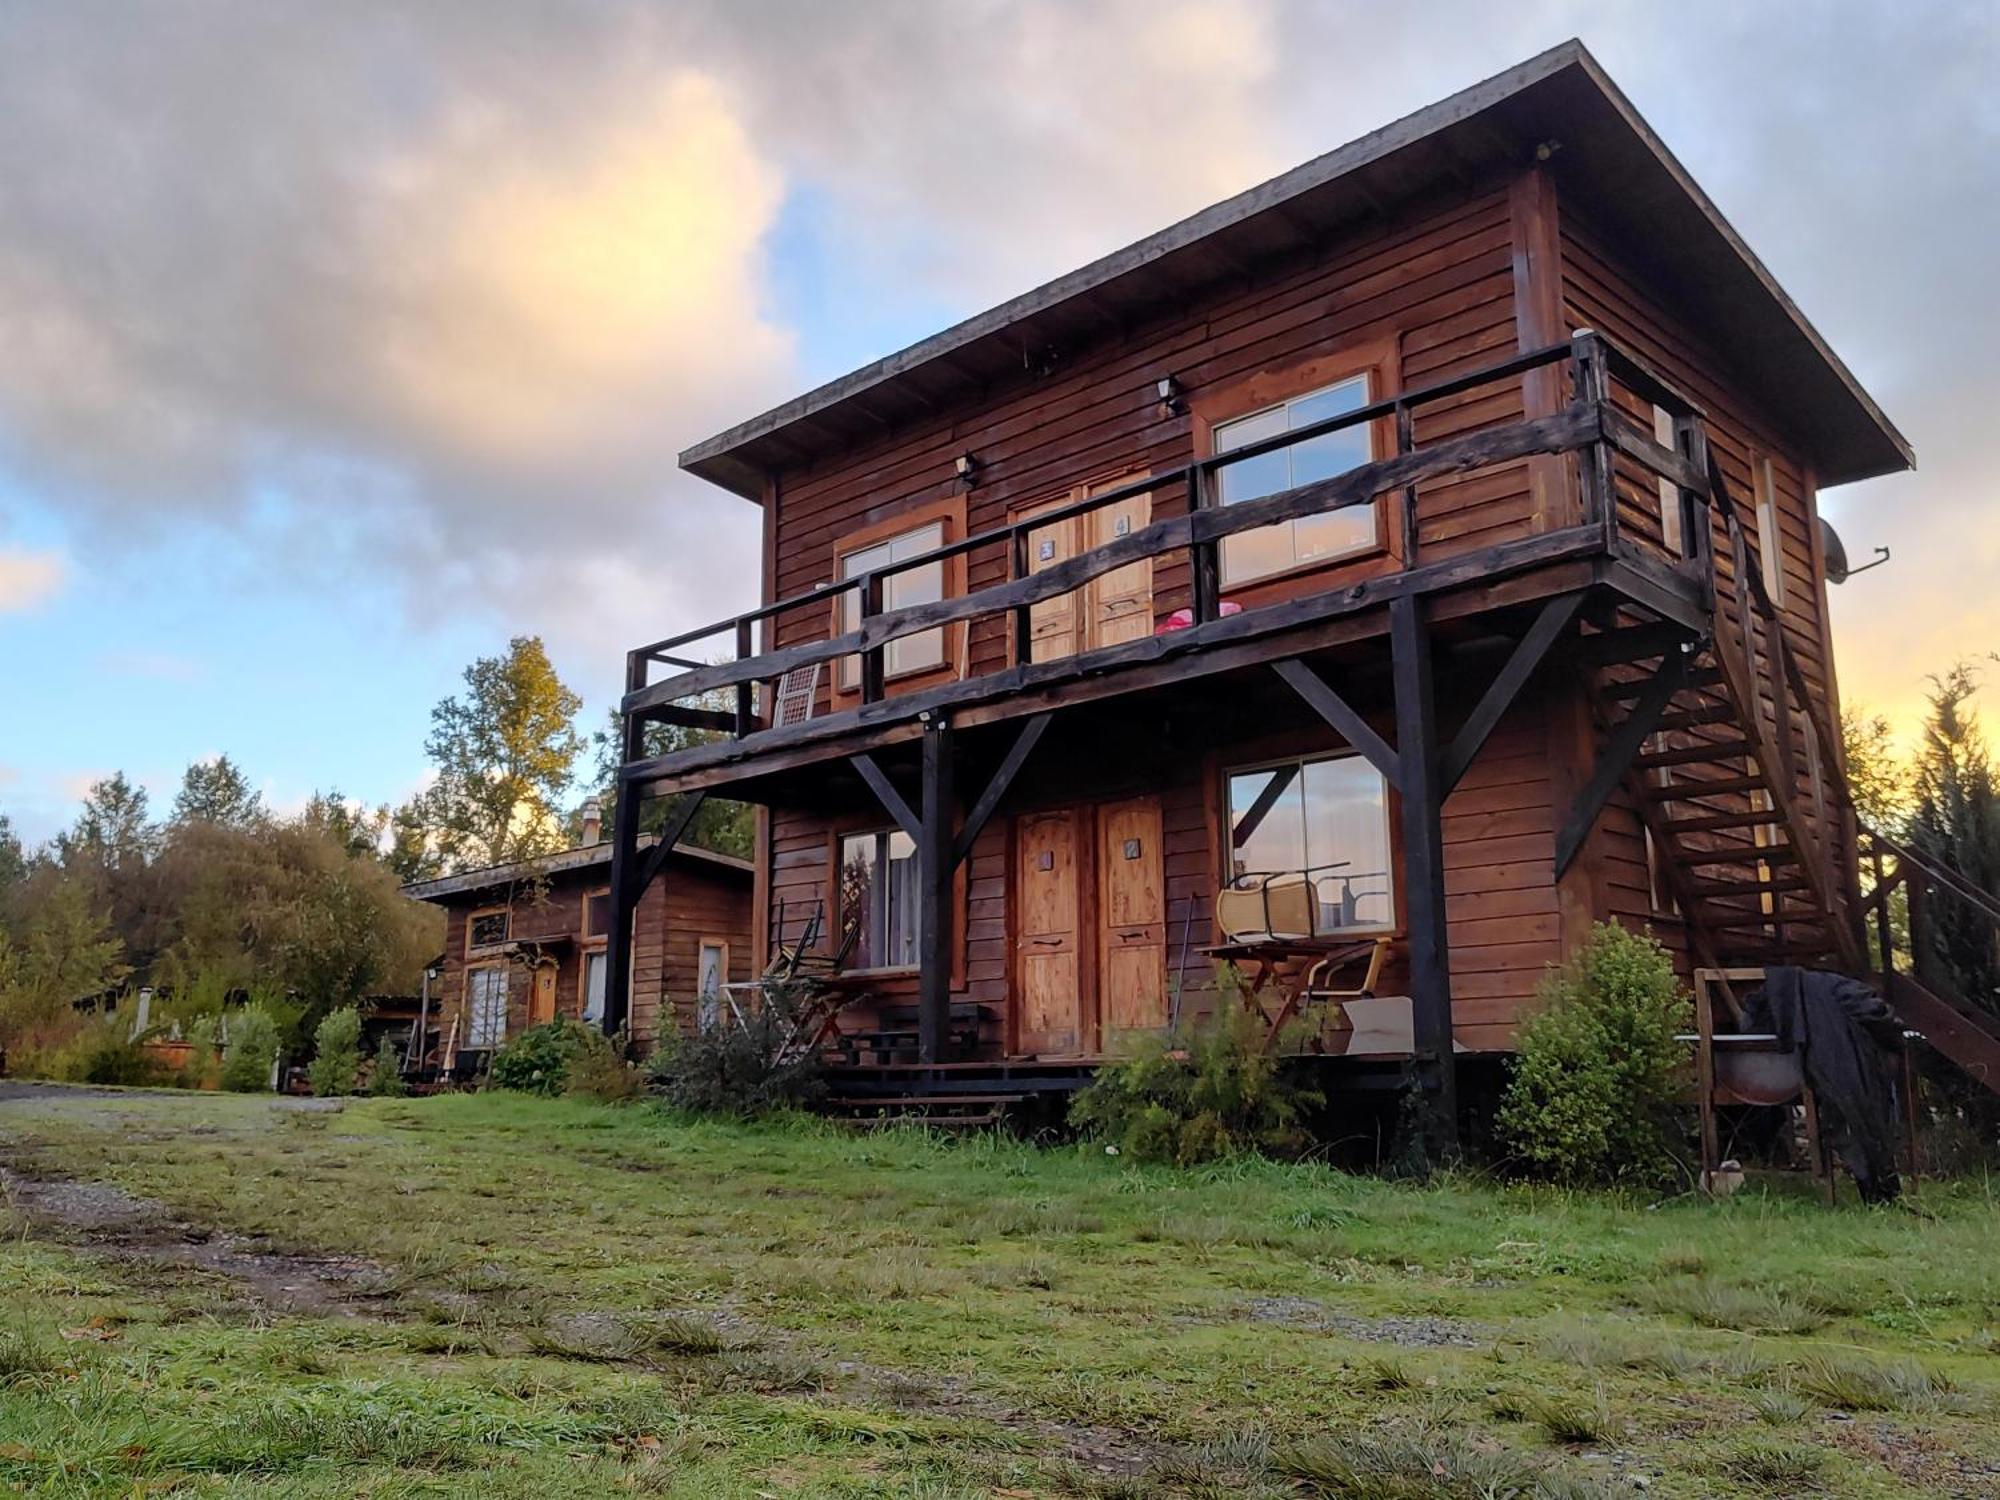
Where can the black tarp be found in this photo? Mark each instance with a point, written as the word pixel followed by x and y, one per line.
pixel 1848 1041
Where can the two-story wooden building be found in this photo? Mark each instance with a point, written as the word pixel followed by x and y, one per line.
pixel 1434 526
pixel 528 942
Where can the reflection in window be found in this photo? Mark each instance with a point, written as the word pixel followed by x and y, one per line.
pixel 924 585
pixel 488 929
pixel 594 971
pixel 1329 817
pixel 878 894
pixel 1308 539
pixel 708 985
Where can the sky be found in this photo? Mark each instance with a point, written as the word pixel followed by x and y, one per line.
pixel 340 343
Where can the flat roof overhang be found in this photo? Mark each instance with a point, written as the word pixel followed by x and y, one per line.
pixel 1604 156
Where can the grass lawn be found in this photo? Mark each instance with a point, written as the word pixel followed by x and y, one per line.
pixel 501 1296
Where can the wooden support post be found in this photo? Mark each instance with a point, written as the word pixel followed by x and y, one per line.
pixel 1816 1148
pixel 934 922
pixel 1202 571
pixel 872 660
pixel 1003 778
pixel 886 794
pixel 1910 1113
pixel 623 895
pixel 1616 758
pixel 745 691
pixel 1423 869
pixel 1704 1075
pixel 677 825
pixel 1593 389
pixel 1501 692
pixel 1341 717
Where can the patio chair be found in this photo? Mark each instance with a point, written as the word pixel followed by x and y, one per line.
pixel 798 695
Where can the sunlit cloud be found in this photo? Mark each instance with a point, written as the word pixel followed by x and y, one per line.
pixel 29 579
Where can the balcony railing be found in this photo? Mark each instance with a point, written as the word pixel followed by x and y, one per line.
pixel 1592 424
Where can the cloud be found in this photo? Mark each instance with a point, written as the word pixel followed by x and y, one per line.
pixel 28 580
pixel 433 294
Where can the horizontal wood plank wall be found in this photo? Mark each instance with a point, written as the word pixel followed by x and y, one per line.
pixel 1601 291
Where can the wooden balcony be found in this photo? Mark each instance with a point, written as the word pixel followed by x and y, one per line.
pixel 1601 454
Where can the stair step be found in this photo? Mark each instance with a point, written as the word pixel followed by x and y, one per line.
pixel 1696 717
pixel 1709 890
pixel 1678 791
pixel 1631 643
pixel 1697 677
pixel 1717 822
pixel 1692 754
pixel 1769 855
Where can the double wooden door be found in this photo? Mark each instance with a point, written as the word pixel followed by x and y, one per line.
pixel 1090 927
pixel 1113 607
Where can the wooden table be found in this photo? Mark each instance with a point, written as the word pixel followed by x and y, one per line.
pixel 1264 965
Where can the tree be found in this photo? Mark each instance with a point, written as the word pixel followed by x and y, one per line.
pixel 336 1065
pixel 112 832
pixel 13 866
pixel 216 791
pixel 1955 820
pixel 719 824
pixel 413 853
pixel 356 827
pixel 1876 774
pixel 65 951
pixel 504 753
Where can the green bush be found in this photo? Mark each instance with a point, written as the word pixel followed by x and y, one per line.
pixel 336 1064
pixel 1598 1079
pixel 97 1052
pixel 538 1060
pixel 1216 1092
pixel 250 1052
pixel 742 1068
pixel 385 1079
pixel 598 1070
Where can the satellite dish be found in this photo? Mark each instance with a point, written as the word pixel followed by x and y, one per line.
pixel 1838 569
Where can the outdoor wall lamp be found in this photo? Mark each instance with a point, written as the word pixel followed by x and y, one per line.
pixel 966 466
pixel 1171 402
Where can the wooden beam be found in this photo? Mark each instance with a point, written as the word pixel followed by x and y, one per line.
pixel 1281 780
pixel 1424 909
pixel 1616 757
pixel 886 793
pixel 1500 694
pixel 1348 724
pixel 623 894
pixel 670 835
pixel 934 912
pixel 1003 778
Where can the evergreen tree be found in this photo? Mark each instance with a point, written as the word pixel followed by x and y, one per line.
pixel 504 752
pixel 216 791
pixel 112 833
pixel 1956 822
pixel 719 824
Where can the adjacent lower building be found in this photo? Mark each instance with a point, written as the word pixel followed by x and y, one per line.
pixel 527 943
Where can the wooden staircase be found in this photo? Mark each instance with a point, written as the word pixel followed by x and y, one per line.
pixel 1738 783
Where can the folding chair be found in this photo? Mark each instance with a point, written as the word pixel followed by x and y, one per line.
pixel 798 694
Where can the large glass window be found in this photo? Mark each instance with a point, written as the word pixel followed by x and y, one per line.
pixel 485 1007
pixel 1308 539
pixel 924 585
pixel 878 894
pixel 713 974
pixel 1328 817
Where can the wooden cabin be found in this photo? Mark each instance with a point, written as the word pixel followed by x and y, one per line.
pixel 1439 520
pixel 528 942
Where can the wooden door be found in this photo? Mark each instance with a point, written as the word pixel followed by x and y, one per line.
pixel 1132 919
pixel 1047 975
pixel 1119 604
pixel 1052 623
pixel 542 995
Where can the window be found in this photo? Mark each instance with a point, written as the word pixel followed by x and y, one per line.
pixel 593 985
pixel 712 973
pixel 596 914
pixel 487 929
pixel 1308 539
pixel 1770 539
pixel 1329 817
pixel 485 1007
pixel 925 585
pixel 878 893
pixel 1670 493
pixel 596 930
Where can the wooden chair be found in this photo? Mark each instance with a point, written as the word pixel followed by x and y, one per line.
pixel 1277 908
pixel 798 695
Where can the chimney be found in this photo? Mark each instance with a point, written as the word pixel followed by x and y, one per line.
pixel 593 821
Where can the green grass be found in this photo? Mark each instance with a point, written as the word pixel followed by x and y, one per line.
pixel 578 1299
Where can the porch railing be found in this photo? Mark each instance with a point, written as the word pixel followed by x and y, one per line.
pixel 1591 424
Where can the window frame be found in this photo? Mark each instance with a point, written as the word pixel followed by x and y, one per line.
pixel 505 973
pixel 880 832
pixel 1766 502
pixel 1377 361
pixel 1391 821
pixel 707 1018
pixel 949 512
pixel 589 947
pixel 472 922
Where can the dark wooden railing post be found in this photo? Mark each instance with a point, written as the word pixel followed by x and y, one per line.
pixel 1697 521
pixel 872 659
pixel 1592 384
pixel 1204 577
pixel 745 691
pixel 1885 934
pixel 1406 442
pixel 1024 614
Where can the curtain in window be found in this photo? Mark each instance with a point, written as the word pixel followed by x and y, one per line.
pixel 486 1006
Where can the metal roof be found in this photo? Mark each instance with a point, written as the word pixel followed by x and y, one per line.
pixel 1608 159
pixel 562 863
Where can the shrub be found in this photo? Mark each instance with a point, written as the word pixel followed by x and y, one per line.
pixel 250 1052
pixel 385 1079
pixel 1215 1092
pixel 1598 1077
pixel 598 1070
pixel 742 1067
pixel 538 1060
pixel 336 1064
pixel 97 1052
